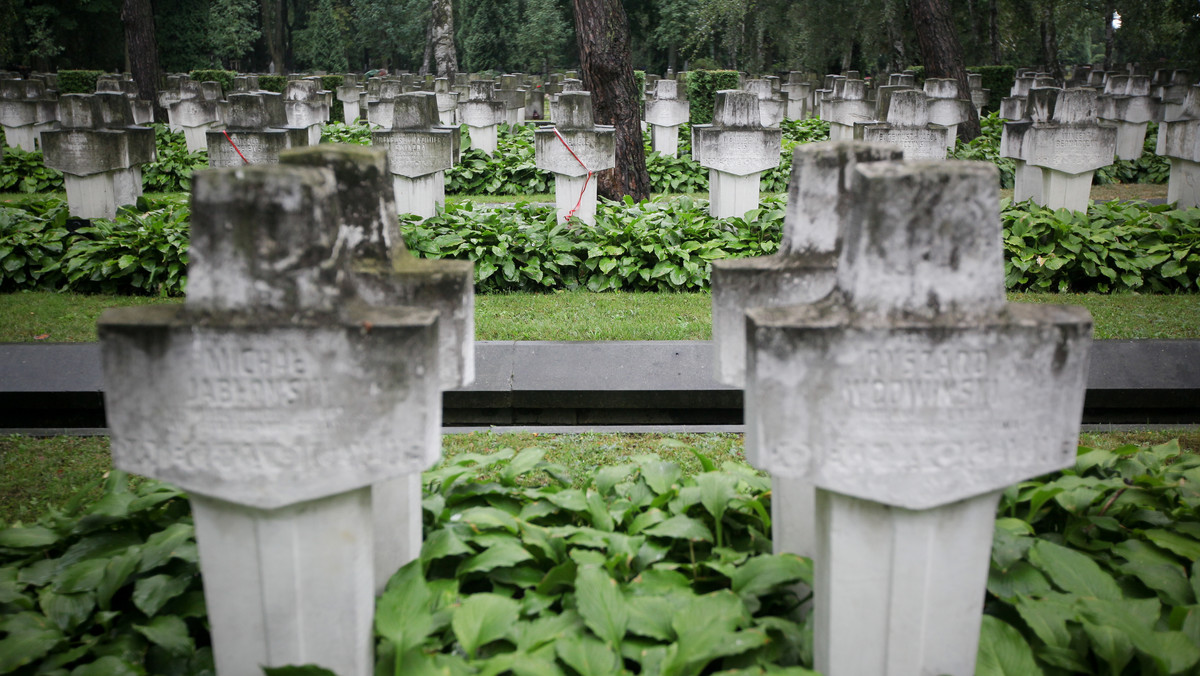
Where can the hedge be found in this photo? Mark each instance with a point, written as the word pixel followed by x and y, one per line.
pixel 78 81
pixel 702 88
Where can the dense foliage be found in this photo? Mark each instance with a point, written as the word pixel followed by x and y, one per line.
pixel 526 569
pixel 78 81
pixel 173 165
pixel 27 172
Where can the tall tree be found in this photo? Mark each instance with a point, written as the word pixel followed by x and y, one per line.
pixel 321 45
pixel 274 22
pixel 942 53
pixel 602 30
pixel 441 36
pixel 141 49
pixel 231 31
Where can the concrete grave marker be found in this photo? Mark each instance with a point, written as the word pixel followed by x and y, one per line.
pixel 307 107
pixel 799 96
pixel 908 126
pixel 665 112
pixel 276 402
pixel 26 110
pixel 911 397
pixel 1126 103
pixel 256 131
pixel 512 95
pixel 574 149
pixel 1063 139
pixel 771 107
pixel 736 149
pixel 194 112
pixel 419 152
pixel 1179 140
pixel 447 101
pixel 946 107
pixel 385 274
pixel 350 93
pixel 482 114
pixel 100 151
pixel 846 106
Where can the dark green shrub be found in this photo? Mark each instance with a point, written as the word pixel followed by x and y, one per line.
pixel 32 242
pixel 1149 168
pixel 225 77
pixel 998 80
pixel 511 171
pixel 332 82
pixel 272 83
pixel 702 88
pixel 986 147
pixel 143 251
pixel 26 172
pixel 78 81
pixel 172 168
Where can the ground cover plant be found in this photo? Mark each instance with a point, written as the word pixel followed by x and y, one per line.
pixel 530 568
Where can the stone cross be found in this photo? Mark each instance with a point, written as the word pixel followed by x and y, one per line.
pixel 419 152
pixel 802 271
pixel 1062 138
pixel 1126 103
pixel 846 106
pixel 979 95
pixel 535 99
pixel 906 79
pixel 771 107
pixel 946 107
pixel 384 274
pixel 512 95
pixel 1172 94
pixel 573 150
pixel 482 114
pixel 447 101
pixel 195 111
pixel 1179 140
pixel 666 110
pixel 908 126
pixel 351 94
pixel 256 131
pixel 379 104
pixel 307 106
pixel 276 400
pixel 736 149
pixel 100 151
pixel 911 397
pixel 26 110
pixel 799 96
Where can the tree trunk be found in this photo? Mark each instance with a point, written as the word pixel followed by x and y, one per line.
pixel 427 57
pixel 1110 11
pixel 272 30
pixel 441 22
pixel 1050 42
pixel 605 58
pixel 942 53
pixel 994 31
pixel 141 50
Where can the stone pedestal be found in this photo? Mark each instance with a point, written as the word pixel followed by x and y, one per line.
pixel 26 110
pixel 418 153
pixel 350 93
pixel 946 107
pixel 482 114
pixel 256 132
pixel 881 394
pixel 194 112
pixel 1063 140
pixel 736 149
pixel 1179 140
pixel 799 96
pixel 665 112
pixel 1126 104
pixel 771 107
pixel 447 102
pixel 573 150
pixel 512 95
pixel 307 107
pixel 846 106
pixel 100 152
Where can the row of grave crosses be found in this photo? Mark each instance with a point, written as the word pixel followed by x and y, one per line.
pixel 891 392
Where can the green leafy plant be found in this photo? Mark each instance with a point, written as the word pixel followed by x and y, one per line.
pixel 27 172
pixel 1149 168
pixel 358 133
pixel 1116 246
pixel 78 81
pixel 1095 570
pixel 111 589
pixel 225 77
pixel 141 251
pixel 173 166
pixel 510 171
pixel 986 147
pixel 702 88
pixel 272 83
pixel 32 245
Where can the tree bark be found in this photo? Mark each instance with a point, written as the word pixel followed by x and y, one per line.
pixel 994 31
pixel 1050 42
pixel 272 23
pixel 602 30
pixel 441 22
pixel 1110 11
pixel 141 50
pixel 942 53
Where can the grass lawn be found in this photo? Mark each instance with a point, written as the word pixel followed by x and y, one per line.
pixel 581 315
pixel 37 474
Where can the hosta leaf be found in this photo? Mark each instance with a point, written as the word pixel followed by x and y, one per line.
pixel 1182 545
pixel 660 475
pixel 499 555
pixel 1003 651
pixel 521 464
pixel 601 604
pixel 1157 570
pixel 588 656
pixel 67 610
pixel 30 537
pixel 107 666
pixel 483 618
pixel 763 573
pixel 1110 645
pixel 169 632
pixel 443 543
pixel 81 577
pixel 1019 579
pixel 402 613
pixel 1072 571
pixel 682 527
pixel 650 616
pixel 32 640
pixel 151 593
pixel 163 544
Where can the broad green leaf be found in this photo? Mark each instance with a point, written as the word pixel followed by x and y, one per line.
pixel 162 545
pixel 707 627
pixel 483 618
pixel 1157 570
pixel 443 543
pixel 545 629
pixel 524 462
pixel 571 499
pixel 716 490
pixel 1003 651
pixel 30 642
pixel 588 656
pixel 67 610
pixel 660 475
pixel 1111 645
pixel 601 604
pixel 763 573
pixel 402 613
pixel 682 527
pixel 107 666
pixel 151 593
pixel 100 545
pixel 1182 545
pixel 1020 579
pixel 1072 571
pixel 170 632
pixel 1177 651
pixel 606 478
pixel 598 509
pixel 488 518
pixel 498 555
pixel 650 616
pixel 28 537
pixel 81 577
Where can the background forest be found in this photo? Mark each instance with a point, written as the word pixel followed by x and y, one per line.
pixel 757 36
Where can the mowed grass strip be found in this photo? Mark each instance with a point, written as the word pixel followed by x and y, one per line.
pixel 30 316
pixel 37 474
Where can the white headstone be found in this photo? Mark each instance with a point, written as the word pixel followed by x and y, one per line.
pixel 736 149
pixel 665 112
pixel 574 149
pixel 908 126
pixel 419 151
pixel 1179 140
pixel 482 114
